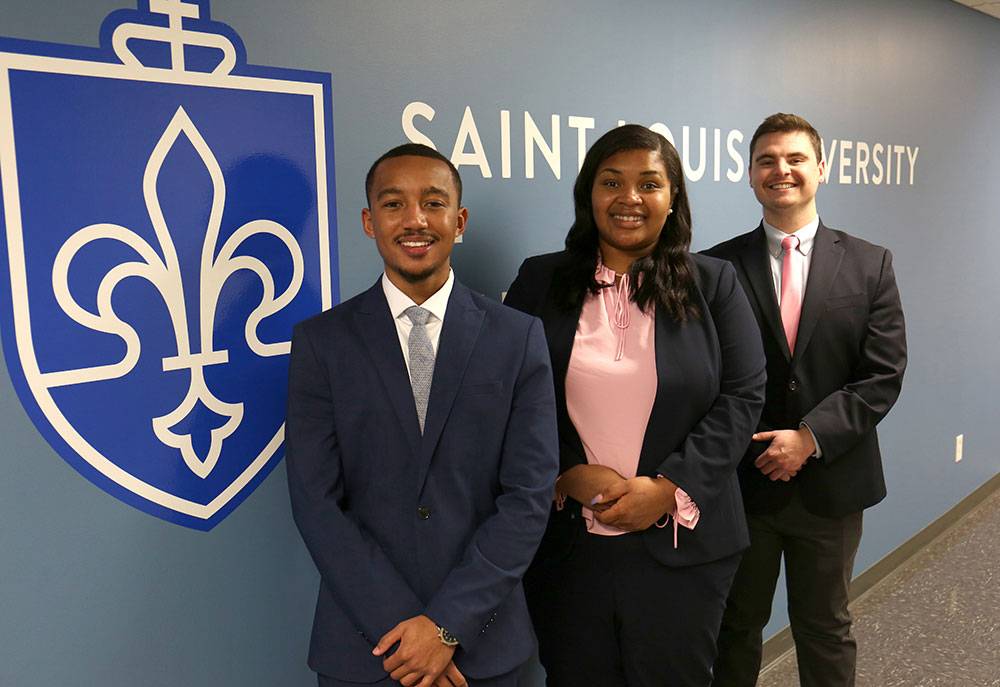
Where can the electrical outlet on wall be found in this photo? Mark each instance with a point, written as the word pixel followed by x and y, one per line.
pixel 959 441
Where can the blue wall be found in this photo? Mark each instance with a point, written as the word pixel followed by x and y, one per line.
pixel 93 592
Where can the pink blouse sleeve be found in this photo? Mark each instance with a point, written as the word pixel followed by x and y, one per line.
pixel 685 513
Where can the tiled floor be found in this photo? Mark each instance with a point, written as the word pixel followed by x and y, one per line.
pixel 935 622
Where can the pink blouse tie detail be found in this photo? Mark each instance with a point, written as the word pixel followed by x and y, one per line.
pixel 620 298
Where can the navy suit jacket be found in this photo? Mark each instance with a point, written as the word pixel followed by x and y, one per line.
pixel 843 376
pixel 709 394
pixel 401 524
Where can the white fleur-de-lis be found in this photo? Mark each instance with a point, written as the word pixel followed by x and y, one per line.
pixel 165 274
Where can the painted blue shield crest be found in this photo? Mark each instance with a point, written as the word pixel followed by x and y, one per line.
pixel 168 216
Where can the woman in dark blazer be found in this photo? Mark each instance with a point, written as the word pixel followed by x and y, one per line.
pixel 659 378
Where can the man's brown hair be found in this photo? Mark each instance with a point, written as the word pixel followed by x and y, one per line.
pixel 781 122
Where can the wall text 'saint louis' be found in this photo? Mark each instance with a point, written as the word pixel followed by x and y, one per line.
pixel 706 153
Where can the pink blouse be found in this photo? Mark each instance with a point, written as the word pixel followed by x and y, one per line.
pixel 610 388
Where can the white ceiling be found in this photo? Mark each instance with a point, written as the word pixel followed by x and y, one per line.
pixel 990 7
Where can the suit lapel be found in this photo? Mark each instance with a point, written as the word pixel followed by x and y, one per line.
pixel 378 332
pixel 667 341
pixel 827 254
pixel 756 263
pixel 560 331
pixel 462 323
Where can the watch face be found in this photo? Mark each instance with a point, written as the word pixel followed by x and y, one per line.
pixel 447 637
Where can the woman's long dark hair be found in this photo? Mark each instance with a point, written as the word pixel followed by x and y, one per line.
pixel 666 274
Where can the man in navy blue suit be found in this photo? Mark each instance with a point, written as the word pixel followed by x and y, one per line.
pixel 421 453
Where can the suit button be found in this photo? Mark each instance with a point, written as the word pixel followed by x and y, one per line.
pixel 424 513
pixel 793 385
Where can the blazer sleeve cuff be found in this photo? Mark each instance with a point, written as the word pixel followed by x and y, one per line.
pixel 818 453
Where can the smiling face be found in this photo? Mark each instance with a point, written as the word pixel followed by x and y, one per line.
pixel 414 219
pixel 631 200
pixel 785 175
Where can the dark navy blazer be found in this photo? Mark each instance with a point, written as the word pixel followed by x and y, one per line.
pixel 709 395
pixel 401 524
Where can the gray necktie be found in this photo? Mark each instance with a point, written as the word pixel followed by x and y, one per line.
pixel 421 360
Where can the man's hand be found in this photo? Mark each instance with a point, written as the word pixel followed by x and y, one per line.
pixel 451 678
pixel 635 504
pixel 421 656
pixel 584 482
pixel 788 452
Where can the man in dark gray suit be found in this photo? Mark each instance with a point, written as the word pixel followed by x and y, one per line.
pixel 832 327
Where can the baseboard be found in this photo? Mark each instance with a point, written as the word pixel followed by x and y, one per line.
pixel 781 643
pixel 776 647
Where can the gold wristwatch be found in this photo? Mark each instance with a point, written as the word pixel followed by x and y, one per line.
pixel 447 638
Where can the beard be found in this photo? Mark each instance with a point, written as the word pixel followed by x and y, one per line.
pixel 415 277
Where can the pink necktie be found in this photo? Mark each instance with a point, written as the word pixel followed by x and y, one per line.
pixel 791 288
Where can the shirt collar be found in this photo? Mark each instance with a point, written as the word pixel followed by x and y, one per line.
pixel 806 235
pixel 399 301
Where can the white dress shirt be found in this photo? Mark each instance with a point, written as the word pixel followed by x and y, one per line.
pixel 807 237
pixel 436 305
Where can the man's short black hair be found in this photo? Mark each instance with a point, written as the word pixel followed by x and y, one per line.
pixel 419 150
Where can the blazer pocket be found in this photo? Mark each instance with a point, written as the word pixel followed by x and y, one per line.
pixel 854 300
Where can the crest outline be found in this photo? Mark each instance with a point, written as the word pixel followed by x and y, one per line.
pixel 152 19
